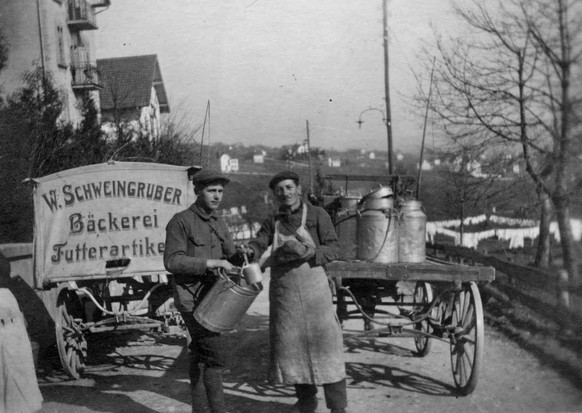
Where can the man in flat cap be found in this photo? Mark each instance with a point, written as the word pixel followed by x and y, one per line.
pixel 305 335
pixel 197 244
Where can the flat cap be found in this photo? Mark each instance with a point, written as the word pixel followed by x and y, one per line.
pixel 208 176
pixel 282 176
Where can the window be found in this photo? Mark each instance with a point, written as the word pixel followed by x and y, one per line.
pixel 61 47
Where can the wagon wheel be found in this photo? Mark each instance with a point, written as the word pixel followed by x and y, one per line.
pixel 467 337
pixel 422 295
pixel 71 341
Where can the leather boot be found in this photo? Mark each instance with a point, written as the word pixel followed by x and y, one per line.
pixel 336 398
pixel 199 404
pixel 306 398
pixel 214 392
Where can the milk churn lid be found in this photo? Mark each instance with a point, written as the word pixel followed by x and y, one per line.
pixel 381 192
pixel 411 204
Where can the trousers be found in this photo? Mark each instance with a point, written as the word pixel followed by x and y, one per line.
pixel 207 360
pixel 335 394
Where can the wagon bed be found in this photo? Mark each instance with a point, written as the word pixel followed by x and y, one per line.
pixel 430 271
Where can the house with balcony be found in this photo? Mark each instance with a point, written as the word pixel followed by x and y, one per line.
pixel 133 93
pixel 57 36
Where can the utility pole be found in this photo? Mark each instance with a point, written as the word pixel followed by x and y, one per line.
pixel 206 117
pixel 309 158
pixel 387 91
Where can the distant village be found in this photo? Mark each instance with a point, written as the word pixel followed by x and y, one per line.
pixel 477 168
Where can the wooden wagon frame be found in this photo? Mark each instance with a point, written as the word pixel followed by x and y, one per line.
pixel 99 238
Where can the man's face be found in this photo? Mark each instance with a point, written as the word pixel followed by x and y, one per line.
pixel 288 193
pixel 210 196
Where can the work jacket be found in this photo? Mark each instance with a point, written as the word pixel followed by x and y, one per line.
pixel 192 237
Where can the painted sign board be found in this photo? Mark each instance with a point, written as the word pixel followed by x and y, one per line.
pixel 116 212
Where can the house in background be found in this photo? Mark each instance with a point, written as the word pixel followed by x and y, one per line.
pixel 57 36
pixel 133 93
pixel 426 166
pixel 228 164
pixel 302 148
pixel 259 156
pixel 334 162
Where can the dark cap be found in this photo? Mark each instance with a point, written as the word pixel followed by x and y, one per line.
pixel 282 176
pixel 206 177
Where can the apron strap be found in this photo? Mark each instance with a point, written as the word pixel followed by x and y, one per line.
pixel 301 228
pixel 275 237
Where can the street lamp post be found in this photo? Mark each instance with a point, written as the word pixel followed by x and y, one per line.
pixel 388 129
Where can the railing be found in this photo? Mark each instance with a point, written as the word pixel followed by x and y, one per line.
pixel 85 76
pixel 81 15
pixel 84 73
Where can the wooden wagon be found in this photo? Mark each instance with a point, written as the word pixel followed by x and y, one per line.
pixel 99 240
pixel 430 300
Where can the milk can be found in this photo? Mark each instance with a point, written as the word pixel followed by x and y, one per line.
pixel 378 231
pixel 225 304
pixel 412 232
pixel 346 226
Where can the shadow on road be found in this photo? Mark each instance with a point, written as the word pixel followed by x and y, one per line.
pixel 123 374
pixel 149 373
pixel 358 344
pixel 394 377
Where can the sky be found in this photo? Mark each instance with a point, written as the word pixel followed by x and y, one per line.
pixel 267 67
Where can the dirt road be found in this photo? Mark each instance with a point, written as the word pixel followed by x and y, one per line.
pixel 149 374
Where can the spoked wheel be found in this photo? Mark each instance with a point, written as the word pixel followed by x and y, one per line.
pixel 467 337
pixel 71 341
pixel 422 295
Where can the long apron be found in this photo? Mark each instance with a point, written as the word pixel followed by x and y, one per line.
pixel 305 333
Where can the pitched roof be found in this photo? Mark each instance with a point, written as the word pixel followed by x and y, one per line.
pixel 128 82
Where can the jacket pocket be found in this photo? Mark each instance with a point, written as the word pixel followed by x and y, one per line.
pixel 198 240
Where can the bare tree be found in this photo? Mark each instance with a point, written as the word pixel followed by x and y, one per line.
pixel 512 83
pixel 471 182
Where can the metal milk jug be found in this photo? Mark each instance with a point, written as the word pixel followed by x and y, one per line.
pixel 412 232
pixel 378 231
pixel 346 226
pixel 225 304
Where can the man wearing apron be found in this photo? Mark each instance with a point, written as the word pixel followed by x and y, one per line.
pixel 197 243
pixel 305 334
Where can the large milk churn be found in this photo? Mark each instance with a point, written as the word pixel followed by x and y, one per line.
pixel 346 226
pixel 225 304
pixel 412 232
pixel 378 230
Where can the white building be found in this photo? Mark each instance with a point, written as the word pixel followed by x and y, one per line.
pixel 58 37
pixel 426 166
pixel 334 162
pixel 228 164
pixel 303 148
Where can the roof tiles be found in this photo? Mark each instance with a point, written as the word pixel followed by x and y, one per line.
pixel 128 81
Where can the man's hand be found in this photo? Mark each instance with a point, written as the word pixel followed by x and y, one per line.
pixel 293 250
pixel 213 264
pixel 245 249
